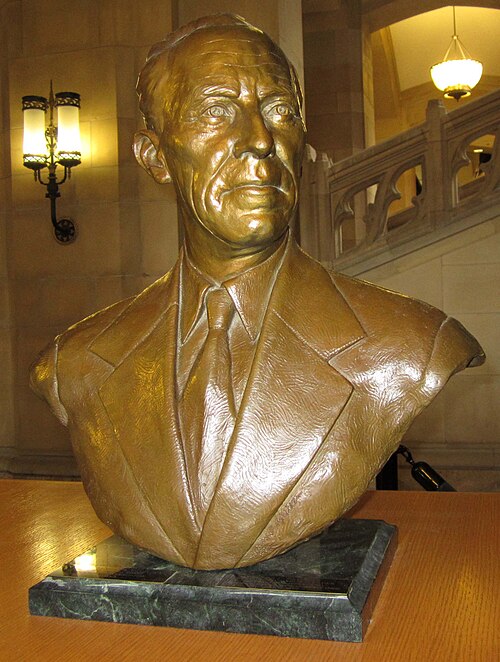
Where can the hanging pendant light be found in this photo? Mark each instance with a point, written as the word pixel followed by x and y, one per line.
pixel 458 73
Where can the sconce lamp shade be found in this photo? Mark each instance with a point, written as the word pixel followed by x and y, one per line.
pixel 68 128
pixel 35 153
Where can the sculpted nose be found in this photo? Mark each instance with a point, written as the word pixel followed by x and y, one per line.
pixel 253 137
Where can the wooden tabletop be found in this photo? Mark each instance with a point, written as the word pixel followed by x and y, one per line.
pixel 440 601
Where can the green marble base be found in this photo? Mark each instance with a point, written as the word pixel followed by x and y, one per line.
pixel 325 588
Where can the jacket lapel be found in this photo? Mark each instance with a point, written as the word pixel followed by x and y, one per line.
pixel 292 400
pixel 141 345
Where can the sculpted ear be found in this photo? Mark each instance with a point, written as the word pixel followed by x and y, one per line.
pixel 149 156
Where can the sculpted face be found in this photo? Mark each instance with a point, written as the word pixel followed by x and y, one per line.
pixel 233 136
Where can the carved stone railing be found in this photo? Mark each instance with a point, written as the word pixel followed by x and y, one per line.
pixel 407 192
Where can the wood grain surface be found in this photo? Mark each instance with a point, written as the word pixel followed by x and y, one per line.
pixel 440 602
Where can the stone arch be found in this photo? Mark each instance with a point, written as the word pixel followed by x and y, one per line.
pixel 378 14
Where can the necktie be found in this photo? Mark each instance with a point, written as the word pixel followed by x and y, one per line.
pixel 207 404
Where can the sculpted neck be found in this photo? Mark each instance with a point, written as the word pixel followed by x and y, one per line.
pixel 220 260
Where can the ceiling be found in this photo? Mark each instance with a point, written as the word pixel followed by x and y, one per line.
pixel 421 41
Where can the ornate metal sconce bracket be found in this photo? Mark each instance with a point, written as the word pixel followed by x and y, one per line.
pixel 56 152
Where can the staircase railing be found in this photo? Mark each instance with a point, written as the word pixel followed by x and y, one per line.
pixel 420 186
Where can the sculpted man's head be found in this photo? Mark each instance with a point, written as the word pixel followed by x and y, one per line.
pixel 222 106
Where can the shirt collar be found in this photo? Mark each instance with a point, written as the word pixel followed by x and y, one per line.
pixel 249 291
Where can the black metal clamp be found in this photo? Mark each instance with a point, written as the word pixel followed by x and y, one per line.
pixel 422 472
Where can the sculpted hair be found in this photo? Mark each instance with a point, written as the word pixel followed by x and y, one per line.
pixel 152 82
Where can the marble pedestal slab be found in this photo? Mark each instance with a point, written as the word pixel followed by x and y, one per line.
pixel 325 588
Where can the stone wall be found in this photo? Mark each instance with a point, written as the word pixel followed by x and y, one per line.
pixel 127 225
pixel 460 430
pixel 6 373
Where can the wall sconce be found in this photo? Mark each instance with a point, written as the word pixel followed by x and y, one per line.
pixel 53 146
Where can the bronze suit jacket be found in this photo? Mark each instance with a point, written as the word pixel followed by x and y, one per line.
pixel 341 369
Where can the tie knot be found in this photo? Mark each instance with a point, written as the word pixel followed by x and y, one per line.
pixel 219 309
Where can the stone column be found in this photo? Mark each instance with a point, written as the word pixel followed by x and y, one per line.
pixel 8 16
pixel 338 75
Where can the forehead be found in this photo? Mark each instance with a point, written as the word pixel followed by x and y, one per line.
pixel 218 54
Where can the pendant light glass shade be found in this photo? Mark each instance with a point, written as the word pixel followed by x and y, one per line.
pixel 458 73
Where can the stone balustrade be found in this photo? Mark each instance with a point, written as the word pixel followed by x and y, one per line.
pixel 425 184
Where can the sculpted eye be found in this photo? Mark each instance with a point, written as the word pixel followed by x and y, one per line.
pixel 216 111
pixel 281 111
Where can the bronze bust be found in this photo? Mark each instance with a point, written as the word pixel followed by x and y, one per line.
pixel 243 402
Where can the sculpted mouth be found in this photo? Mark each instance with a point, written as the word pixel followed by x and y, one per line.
pixel 254 188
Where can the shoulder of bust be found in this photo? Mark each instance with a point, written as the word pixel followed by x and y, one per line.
pixel 407 333
pixel 72 342
pixel 44 370
pixel 387 314
pixel 84 331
